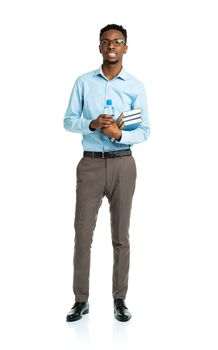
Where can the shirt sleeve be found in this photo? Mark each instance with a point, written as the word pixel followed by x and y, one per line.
pixel 73 119
pixel 142 132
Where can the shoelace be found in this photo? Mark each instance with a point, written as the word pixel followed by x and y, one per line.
pixel 78 305
pixel 119 304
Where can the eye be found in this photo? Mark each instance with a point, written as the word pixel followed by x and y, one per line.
pixel 117 42
pixel 104 42
pixel 120 41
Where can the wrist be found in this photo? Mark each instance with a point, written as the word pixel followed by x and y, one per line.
pixel 119 136
pixel 91 127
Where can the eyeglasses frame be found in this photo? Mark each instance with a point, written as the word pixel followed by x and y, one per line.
pixel 119 40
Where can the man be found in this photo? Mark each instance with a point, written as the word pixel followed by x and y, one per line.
pixel 107 168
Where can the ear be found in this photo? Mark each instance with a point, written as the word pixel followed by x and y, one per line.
pixel 125 49
pixel 100 49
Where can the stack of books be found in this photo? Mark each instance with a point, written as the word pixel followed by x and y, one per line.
pixel 129 120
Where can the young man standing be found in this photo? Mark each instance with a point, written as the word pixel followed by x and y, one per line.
pixel 107 168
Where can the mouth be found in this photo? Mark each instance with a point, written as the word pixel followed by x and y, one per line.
pixel 111 54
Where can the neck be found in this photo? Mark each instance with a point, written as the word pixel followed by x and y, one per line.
pixel 111 70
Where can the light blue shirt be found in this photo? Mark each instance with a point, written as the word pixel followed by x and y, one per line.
pixel 87 102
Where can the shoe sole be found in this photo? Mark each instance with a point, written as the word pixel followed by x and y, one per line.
pixel 122 319
pixel 86 311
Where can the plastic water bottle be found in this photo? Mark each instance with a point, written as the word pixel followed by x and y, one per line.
pixel 108 108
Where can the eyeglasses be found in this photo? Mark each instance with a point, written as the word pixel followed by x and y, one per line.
pixel 115 42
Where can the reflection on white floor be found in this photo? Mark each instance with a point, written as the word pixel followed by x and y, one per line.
pixel 98 331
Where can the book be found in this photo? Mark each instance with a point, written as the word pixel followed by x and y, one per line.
pixel 131 117
pixel 130 124
pixel 133 112
pixel 129 120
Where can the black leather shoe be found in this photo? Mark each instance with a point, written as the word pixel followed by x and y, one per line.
pixel 121 312
pixel 78 310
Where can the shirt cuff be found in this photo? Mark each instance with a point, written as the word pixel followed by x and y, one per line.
pixel 125 139
pixel 85 128
pixel 90 128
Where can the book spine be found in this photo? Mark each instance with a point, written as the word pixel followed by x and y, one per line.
pixel 129 114
pixel 124 120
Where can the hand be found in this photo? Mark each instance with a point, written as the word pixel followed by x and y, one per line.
pixel 103 121
pixel 112 131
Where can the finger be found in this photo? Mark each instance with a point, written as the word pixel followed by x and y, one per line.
pixel 108 117
pixel 105 124
pixel 109 121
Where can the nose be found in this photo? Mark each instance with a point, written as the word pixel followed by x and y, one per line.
pixel 111 44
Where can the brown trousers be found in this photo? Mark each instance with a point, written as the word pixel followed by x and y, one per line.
pixel 96 178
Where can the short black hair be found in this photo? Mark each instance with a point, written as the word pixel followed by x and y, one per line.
pixel 116 27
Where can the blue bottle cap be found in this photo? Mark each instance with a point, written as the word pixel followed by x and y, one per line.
pixel 109 102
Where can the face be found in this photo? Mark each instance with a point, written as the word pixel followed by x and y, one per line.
pixel 111 52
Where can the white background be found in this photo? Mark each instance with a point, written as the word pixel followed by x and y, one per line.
pixel 173 287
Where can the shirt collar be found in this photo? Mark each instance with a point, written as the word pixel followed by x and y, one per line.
pixel 122 75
